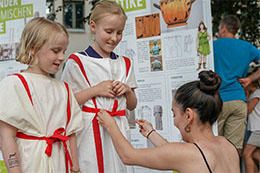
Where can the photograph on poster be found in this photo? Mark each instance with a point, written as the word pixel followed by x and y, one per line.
pixel 156 63
pixel 8 51
pixel 155 47
pixel 147 26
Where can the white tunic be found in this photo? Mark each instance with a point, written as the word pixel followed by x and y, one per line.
pixel 48 113
pixel 98 70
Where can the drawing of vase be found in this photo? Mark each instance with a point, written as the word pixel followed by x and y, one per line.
pixel 175 12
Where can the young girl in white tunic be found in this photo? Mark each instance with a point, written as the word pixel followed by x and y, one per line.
pixel 39 115
pixel 252 146
pixel 101 79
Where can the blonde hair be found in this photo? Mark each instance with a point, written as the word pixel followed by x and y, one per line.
pixel 107 6
pixel 36 32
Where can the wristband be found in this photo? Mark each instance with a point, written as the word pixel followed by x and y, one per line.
pixel 149 133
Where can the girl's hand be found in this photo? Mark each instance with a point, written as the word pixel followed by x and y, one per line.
pixel 105 89
pixel 244 81
pixel 145 127
pixel 105 119
pixel 120 88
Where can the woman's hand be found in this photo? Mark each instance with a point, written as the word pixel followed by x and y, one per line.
pixel 120 88
pixel 145 127
pixel 105 119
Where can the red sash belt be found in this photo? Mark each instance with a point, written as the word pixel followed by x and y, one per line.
pixel 114 111
pixel 95 110
pixel 96 130
pixel 56 137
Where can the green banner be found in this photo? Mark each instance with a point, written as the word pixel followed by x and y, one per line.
pixel 132 5
pixel 13 10
pixel 3 169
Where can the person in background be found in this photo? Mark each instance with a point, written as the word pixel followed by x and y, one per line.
pixel 196 106
pixel 39 115
pixel 231 59
pixel 253 143
pixel 101 79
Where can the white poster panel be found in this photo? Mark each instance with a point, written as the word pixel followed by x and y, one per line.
pixel 162 39
pixel 14 14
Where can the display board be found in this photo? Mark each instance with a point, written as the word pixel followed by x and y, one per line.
pixel 13 16
pixel 162 37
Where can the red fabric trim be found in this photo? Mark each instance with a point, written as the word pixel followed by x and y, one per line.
pixel 68 104
pixel 127 64
pixel 67 156
pixel 98 145
pixel 56 137
pixel 77 60
pixel 25 84
pixel 114 111
pixel 96 130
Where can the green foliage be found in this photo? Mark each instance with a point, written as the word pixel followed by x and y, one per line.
pixel 248 11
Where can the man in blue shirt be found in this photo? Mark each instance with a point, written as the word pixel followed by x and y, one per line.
pixel 232 58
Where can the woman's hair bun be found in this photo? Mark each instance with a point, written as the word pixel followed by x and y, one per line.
pixel 209 81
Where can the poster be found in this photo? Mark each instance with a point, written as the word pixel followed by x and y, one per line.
pixel 161 36
pixel 13 16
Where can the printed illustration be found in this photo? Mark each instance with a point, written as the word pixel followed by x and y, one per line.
pixel 175 12
pixel 147 26
pixel 156 63
pixel 144 112
pixel 155 47
pixel 188 43
pixel 130 115
pixel 202 45
pixel 157 113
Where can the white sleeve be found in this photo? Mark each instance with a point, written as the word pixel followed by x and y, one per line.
pixel 73 76
pixel 256 94
pixel 130 80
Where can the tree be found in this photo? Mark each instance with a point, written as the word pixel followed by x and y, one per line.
pixel 248 11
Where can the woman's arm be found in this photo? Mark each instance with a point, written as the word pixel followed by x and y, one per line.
pixel 251 104
pixel 9 147
pixel 74 152
pixel 104 88
pixel 147 130
pixel 166 157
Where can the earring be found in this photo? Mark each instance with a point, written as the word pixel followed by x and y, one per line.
pixel 187 129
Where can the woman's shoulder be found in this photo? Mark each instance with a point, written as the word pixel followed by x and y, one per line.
pixel 226 155
pixel 225 145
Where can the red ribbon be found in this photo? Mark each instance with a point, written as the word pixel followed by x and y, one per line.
pixel 56 137
pixel 96 130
